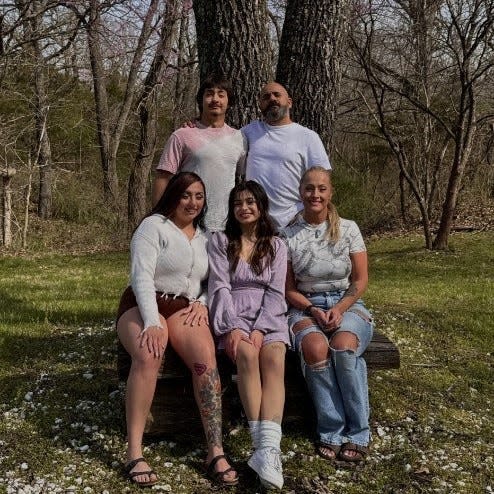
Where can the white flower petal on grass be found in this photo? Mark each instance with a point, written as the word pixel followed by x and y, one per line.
pixel 162 487
pixel 168 464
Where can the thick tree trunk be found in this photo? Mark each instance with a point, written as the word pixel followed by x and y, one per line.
pixel 309 61
pixel 180 80
pixel 233 38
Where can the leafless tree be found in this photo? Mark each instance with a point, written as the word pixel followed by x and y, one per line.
pixel 111 120
pixel 423 64
pixel 146 106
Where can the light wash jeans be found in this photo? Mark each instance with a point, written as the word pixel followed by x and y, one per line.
pixel 339 387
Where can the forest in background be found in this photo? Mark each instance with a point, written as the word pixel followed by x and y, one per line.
pixel 400 92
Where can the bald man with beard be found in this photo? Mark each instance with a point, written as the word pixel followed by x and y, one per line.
pixel 279 152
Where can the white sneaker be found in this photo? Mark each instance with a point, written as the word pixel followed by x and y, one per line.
pixel 266 462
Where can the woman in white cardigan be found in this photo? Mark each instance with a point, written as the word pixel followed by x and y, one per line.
pixel 166 302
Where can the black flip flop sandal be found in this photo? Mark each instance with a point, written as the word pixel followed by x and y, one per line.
pixel 132 476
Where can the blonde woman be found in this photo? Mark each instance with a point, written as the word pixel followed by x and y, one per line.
pixel 329 324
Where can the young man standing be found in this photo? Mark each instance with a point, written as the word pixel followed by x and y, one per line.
pixel 212 149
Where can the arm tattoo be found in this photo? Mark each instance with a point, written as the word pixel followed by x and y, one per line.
pixel 209 392
pixel 351 291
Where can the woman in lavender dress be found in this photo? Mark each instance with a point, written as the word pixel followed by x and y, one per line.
pixel 247 309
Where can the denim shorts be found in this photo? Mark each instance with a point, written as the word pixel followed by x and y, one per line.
pixel 356 320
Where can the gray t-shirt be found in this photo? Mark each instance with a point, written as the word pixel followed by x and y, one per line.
pixel 318 265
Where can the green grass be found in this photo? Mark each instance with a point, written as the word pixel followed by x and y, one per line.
pixel 61 403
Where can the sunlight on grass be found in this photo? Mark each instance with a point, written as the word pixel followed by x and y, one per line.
pixel 61 403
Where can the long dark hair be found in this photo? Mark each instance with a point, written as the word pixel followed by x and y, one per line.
pixel 264 252
pixel 170 199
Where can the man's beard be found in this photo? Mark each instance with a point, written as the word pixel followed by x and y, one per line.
pixel 275 113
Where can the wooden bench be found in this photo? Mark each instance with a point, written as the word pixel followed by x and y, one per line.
pixel 175 411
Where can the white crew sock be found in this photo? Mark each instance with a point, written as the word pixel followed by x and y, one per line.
pixel 266 460
pixel 269 434
pixel 254 426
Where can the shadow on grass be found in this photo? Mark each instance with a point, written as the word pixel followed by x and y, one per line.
pixel 76 401
pixel 18 310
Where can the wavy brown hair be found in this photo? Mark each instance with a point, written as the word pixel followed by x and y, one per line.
pixel 170 199
pixel 264 251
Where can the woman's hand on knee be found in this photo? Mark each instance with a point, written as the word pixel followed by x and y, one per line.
pixel 233 338
pixel 196 314
pixel 154 339
pixel 256 337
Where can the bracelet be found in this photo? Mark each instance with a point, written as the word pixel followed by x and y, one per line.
pixel 307 310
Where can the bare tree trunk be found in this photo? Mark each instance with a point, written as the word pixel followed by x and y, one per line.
pixel 233 38
pixel 178 116
pixel 147 103
pixel 110 130
pixel 32 36
pixel 108 162
pixel 26 207
pixel 309 61
pixel 403 201
pixel 44 160
pixel 463 148
pixel 7 206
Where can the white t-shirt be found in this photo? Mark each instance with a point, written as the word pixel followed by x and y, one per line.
pixel 318 265
pixel 217 155
pixel 277 158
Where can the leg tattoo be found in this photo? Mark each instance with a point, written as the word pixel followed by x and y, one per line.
pixel 200 369
pixel 210 406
